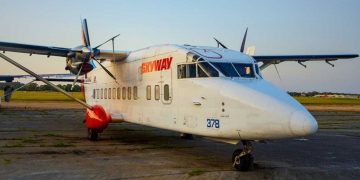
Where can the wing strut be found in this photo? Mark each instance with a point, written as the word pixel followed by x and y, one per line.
pixel 45 81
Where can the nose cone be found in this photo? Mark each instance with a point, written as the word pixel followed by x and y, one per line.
pixel 302 123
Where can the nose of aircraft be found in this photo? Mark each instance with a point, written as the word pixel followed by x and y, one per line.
pixel 302 123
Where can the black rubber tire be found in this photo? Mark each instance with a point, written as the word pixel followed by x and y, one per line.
pixel 246 162
pixel 186 136
pixel 93 134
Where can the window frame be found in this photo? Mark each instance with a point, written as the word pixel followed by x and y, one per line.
pixel 109 93
pixel 167 92
pixel 129 93
pixel 118 93
pixel 148 92
pixel 135 92
pixel 157 92
pixel 123 93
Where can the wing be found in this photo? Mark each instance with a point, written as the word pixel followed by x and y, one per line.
pixel 34 49
pixel 276 59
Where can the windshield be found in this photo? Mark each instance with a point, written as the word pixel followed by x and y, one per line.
pixel 235 69
pixel 227 69
pixel 196 70
pixel 245 70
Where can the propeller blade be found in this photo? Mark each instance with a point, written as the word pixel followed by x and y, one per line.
pixel 76 78
pixel 85 33
pixel 106 70
pixel 219 43
pixel 243 41
pixel 277 71
pixel 107 41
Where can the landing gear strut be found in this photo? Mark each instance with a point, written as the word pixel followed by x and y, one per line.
pixel 93 134
pixel 242 158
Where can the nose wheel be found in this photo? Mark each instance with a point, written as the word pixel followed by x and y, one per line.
pixel 93 134
pixel 242 159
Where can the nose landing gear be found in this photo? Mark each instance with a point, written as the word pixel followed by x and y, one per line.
pixel 242 158
pixel 92 134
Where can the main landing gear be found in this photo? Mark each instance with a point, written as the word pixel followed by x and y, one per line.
pixel 93 134
pixel 186 136
pixel 242 159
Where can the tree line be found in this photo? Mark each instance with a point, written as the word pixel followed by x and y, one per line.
pixel 43 87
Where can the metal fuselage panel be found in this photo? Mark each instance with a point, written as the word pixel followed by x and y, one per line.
pixel 217 107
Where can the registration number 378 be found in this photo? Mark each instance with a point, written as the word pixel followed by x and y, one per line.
pixel 213 123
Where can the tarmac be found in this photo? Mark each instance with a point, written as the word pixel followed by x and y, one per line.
pixel 48 141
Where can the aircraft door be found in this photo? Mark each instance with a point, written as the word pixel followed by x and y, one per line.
pixel 166 86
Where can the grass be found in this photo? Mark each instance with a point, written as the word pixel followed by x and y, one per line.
pixel 7 161
pixel 62 144
pixel 197 172
pixel 31 141
pixel 42 96
pixel 18 144
pixel 52 135
pixel 321 100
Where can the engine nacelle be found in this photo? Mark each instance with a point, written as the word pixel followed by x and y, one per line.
pixel 74 65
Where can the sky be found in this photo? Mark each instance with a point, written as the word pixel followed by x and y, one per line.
pixel 276 27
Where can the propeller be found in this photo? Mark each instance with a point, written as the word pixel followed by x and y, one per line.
pixel 76 78
pixel 277 71
pixel 85 34
pixel 243 41
pixel 111 39
pixel 87 48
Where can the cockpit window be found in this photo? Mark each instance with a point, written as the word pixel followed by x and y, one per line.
pixel 257 70
pixel 196 70
pixel 186 71
pixel 208 69
pixel 245 70
pixel 226 68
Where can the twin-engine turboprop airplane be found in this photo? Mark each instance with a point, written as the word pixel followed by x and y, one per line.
pixel 207 91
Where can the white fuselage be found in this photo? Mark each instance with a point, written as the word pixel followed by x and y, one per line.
pixel 224 108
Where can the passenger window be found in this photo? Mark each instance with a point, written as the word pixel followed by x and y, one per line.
pixel 109 93
pixel 94 94
pixel 135 93
pixel 123 93
pixel 157 92
pixel 129 93
pixel 114 93
pixel 118 93
pixel 102 93
pixel 105 93
pixel 97 94
pixel 148 92
pixel 166 92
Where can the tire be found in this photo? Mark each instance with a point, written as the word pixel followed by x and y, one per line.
pixel 186 136
pixel 246 161
pixel 92 134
